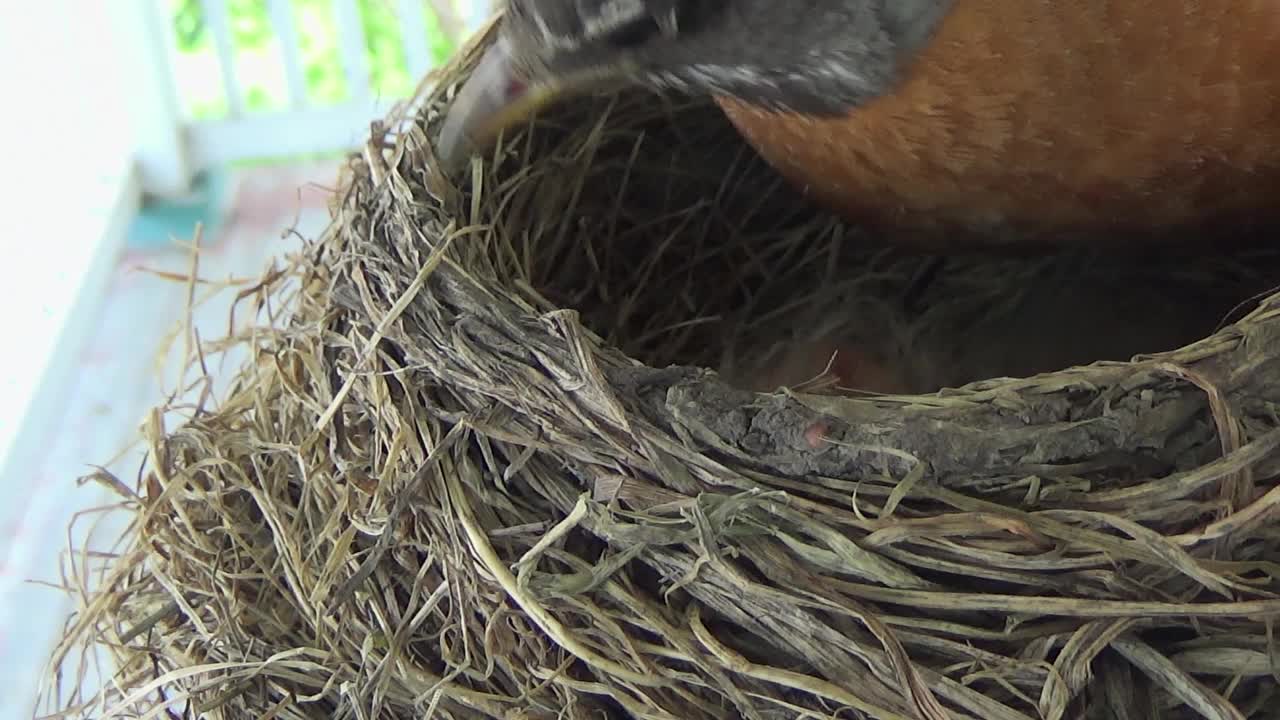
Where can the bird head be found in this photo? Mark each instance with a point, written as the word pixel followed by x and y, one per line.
pixel 814 57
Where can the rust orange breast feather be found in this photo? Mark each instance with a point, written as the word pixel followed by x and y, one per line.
pixel 1048 113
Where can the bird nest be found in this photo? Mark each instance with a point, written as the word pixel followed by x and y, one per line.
pixel 512 447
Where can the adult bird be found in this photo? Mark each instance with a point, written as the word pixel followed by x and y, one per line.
pixel 999 120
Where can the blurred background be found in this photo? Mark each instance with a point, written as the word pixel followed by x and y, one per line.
pixel 125 124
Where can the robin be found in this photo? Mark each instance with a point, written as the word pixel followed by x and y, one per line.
pixel 1001 120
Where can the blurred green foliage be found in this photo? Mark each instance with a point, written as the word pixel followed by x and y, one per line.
pixel 317 32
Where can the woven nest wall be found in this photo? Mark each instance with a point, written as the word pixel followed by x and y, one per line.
pixel 514 448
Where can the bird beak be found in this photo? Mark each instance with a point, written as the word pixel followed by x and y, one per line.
pixel 496 96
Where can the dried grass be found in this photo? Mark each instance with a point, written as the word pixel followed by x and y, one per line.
pixel 437 491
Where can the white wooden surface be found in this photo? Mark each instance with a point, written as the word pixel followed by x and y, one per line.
pixel 141 47
pixel 70 187
pixel 218 143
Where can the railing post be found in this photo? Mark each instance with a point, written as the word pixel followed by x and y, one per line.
pixel 159 136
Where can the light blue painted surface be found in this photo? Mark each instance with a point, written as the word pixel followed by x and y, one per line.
pixel 161 221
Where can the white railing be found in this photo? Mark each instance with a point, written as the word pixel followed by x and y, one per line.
pixel 175 137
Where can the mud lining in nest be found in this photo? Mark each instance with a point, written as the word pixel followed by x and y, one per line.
pixel 478 471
